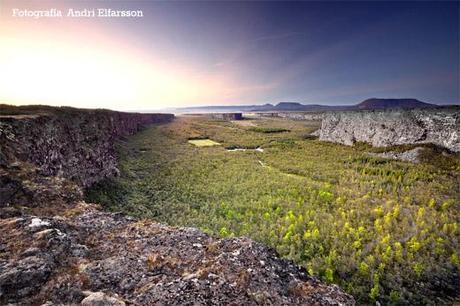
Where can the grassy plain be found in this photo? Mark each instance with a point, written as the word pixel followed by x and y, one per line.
pixel 382 229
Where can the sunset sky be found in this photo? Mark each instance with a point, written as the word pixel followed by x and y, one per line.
pixel 209 53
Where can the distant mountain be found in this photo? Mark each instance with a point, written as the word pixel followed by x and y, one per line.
pixel 288 106
pixel 369 104
pixel 375 103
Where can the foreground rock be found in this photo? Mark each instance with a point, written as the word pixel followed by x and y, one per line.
pixel 439 126
pixel 88 256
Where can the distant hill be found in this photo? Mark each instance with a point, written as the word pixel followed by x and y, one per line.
pixel 369 104
pixel 375 103
pixel 288 106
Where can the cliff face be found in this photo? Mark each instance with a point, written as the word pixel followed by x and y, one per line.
pixel 220 116
pixel 74 144
pixel 58 250
pixel 440 126
pixel 227 116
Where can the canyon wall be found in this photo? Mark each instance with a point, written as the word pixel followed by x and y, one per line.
pixel 227 116
pixel 72 143
pixel 219 116
pixel 440 126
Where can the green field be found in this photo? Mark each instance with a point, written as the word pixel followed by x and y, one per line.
pixel 382 229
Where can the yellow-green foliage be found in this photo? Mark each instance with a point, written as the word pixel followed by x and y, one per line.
pixel 384 230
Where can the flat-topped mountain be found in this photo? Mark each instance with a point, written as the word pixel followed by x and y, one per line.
pixel 369 104
pixel 376 103
pixel 288 105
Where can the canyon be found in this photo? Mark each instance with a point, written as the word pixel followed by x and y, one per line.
pixel 58 249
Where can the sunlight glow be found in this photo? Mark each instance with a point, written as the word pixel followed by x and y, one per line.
pixel 45 70
pixel 40 64
pixel 48 72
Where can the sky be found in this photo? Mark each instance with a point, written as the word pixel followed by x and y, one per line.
pixel 229 53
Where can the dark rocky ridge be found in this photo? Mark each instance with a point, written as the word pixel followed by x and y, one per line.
pixel 72 143
pixel 57 249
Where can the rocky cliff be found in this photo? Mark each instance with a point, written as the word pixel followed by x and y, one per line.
pixel 58 250
pixel 75 144
pixel 440 126
pixel 42 147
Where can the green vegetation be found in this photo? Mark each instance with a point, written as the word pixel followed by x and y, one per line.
pixel 382 229
pixel 268 130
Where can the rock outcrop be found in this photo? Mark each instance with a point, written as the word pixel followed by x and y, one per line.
pixel 56 249
pixel 85 252
pixel 439 126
